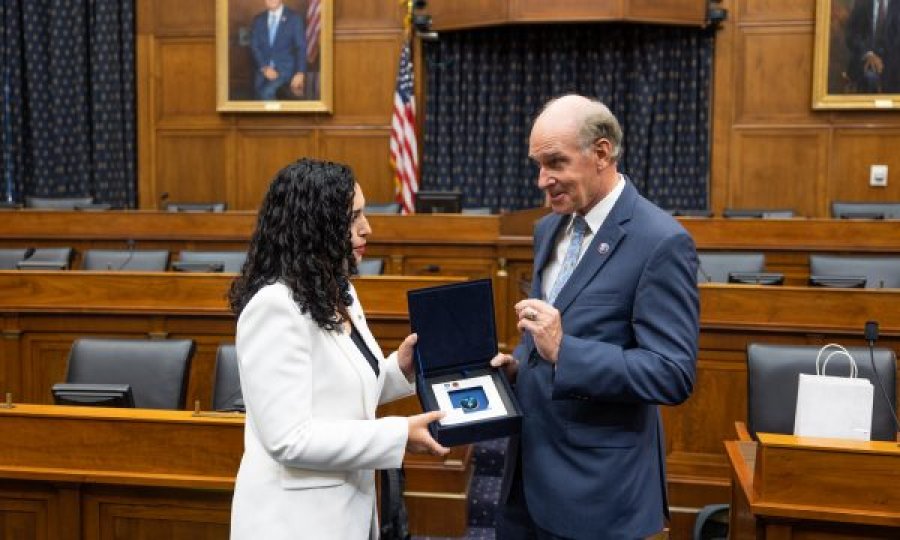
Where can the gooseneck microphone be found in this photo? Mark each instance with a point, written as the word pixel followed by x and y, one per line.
pixel 127 260
pixel 871 333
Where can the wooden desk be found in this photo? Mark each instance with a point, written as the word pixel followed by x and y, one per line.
pixel 787 487
pixel 81 473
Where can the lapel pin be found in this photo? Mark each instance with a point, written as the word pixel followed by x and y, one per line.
pixel 603 248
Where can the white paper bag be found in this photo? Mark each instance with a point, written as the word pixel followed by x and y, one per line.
pixel 837 407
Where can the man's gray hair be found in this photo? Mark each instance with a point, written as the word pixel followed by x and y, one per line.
pixel 599 122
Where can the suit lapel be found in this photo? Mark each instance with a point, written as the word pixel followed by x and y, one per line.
pixel 601 249
pixel 353 355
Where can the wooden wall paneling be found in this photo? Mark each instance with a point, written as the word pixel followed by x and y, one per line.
pixel 44 360
pixel 192 165
pixel 455 14
pixel 364 151
pixel 778 168
pixel 667 11
pixel 187 82
pixel 114 512
pixel 30 512
pixel 175 17
pixel 368 15
pixel 566 10
pixel 365 73
pixel 10 350
pixel 854 150
pixel 767 11
pixel 722 109
pixel 773 74
pixel 262 153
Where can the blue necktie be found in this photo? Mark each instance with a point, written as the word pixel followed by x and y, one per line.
pixel 273 26
pixel 579 227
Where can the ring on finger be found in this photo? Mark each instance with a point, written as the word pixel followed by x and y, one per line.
pixel 530 314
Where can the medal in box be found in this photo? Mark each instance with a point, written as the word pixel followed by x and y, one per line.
pixel 457 340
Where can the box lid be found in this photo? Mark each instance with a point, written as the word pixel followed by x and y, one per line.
pixel 455 324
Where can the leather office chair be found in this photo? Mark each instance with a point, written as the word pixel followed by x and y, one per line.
pixel 879 272
pixel 865 210
pixel 765 213
pixel 126 260
pixel 196 207
pixel 382 208
pixel 715 266
pixel 772 380
pixel 231 261
pixel 227 394
pixel 477 210
pixel 57 203
pixel 157 370
pixel 370 267
pixel 47 259
pixel 11 256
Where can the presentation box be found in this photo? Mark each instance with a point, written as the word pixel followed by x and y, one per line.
pixel 457 340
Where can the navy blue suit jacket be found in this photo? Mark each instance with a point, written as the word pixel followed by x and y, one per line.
pixel 287 52
pixel 592 446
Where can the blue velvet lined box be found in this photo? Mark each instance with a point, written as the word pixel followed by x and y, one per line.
pixel 457 340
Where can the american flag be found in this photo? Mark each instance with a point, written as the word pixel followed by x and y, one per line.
pixel 313 26
pixel 404 148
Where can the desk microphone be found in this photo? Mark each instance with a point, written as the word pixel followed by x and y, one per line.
pixel 703 273
pixel 127 260
pixel 871 333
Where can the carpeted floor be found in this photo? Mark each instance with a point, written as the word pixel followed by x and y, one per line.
pixel 484 492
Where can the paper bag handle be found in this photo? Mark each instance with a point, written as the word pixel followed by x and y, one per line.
pixel 841 350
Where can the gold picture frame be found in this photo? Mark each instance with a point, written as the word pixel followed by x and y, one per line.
pixel 256 70
pixel 856 60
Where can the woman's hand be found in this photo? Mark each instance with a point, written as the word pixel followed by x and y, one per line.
pixel 405 356
pixel 420 440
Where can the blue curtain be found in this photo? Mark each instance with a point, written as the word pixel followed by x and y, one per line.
pixel 484 88
pixel 68 114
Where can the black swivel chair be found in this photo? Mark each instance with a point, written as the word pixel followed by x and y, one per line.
pixel 772 380
pixel 157 370
pixel 210 261
pixel 227 394
pixel 370 267
pixel 57 203
pixel 878 272
pixel 865 210
pixel 47 259
pixel 10 257
pixel 715 266
pixel 126 260
pixel 196 207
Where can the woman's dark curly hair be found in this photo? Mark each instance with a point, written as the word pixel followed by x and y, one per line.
pixel 302 239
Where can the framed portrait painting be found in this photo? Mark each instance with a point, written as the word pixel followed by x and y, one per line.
pixel 856 62
pixel 274 55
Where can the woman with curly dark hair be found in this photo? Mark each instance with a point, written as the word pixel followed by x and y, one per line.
pixel 311 372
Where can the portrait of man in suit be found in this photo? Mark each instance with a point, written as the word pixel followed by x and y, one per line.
pixel 864 43
pixel 278 44
pixel 274 55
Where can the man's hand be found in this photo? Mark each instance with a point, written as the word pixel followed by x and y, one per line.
pixel 873 63
pixel 508 363
pixel 405 356
pixel 419 440
pixel 297 84
pixel 269 73
pixel 543 322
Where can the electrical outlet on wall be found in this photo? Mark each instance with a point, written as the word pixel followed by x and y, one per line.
pixel 878 175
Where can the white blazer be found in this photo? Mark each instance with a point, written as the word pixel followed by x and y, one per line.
pixel 311 440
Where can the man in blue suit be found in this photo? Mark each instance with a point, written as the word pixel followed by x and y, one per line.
pixel 609 333
pixel 278 43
